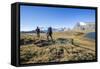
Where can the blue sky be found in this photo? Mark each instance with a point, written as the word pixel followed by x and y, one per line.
pixel 33 16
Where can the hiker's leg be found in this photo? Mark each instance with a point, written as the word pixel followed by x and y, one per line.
pixel 51 37
pixel 38 35
pixel 47 37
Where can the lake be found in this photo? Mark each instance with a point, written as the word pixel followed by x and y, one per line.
pixel 90 35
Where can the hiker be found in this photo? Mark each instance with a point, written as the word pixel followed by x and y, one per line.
pixel 49 33
pixel 38 32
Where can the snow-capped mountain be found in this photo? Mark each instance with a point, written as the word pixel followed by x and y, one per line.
pixel 85 26
pixel 81 23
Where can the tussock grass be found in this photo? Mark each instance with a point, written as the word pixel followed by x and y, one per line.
pixel 57 51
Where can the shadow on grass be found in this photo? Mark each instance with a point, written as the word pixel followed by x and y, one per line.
pixel 43 42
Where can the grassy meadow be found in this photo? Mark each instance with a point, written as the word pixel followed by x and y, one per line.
pixel 66 46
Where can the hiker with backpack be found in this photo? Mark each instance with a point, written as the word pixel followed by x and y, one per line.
pixel 49 33
pixel 38 32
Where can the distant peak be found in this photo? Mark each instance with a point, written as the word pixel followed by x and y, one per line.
pixel 82 23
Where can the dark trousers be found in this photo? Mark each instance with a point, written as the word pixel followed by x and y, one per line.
pixel 38 35
pixel 49 35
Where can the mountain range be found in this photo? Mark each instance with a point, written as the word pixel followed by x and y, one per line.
pixel 85 26
pixel 80 26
